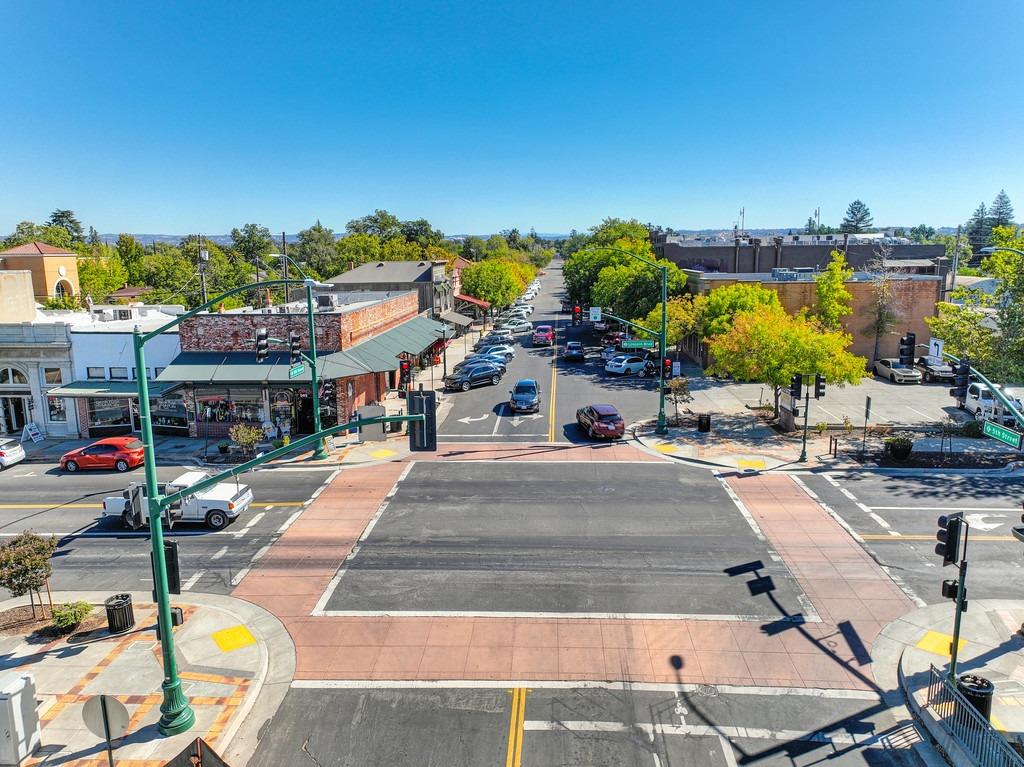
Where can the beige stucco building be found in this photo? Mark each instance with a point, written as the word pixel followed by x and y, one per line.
pixel 54 270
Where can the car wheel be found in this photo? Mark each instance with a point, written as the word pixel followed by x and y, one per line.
pixel 216 520
pixel 121 465
pixel 892 377
pixel 71 466
pixel 495 380
pixel 927 377
pixel 465 386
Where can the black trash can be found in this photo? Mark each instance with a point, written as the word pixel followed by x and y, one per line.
pixel 979 691
pixel 120 615
pixel 704 422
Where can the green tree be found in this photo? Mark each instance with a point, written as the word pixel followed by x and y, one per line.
pixel 25 565
pixel 1001 212
pixel 26 231
pixel 722 304
pixel 858 218
pixel 922 233
pixel 356 249
pixel 493 281
pixel 978 227
pixel 613 230
pixel 834 300
pixel 252 242
pixel 99 277
pixel 131 253
pixel 965 328
pixel 473 248
pixel 65 219
pixel 317 249
pixel 421 232
pixel 810 227
pixel 1008 267
pixel 682 317
pixel 632 289
pixel 380 223
pixel 398 249
pixel 770 346
pixel 94 237
pixel 887 299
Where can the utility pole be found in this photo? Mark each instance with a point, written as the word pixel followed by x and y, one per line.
pixel 956 260
pixel 204 258
pixel 284 264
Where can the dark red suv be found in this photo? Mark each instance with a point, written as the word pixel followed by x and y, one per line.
pixel 601 421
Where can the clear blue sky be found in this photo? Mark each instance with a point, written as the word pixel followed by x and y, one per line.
pixel 200 116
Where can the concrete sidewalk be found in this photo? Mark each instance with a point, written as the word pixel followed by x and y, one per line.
pixel 168 449
pixel 235 660
pixel 991 646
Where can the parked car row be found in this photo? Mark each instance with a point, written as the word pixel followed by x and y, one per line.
pixel 927 369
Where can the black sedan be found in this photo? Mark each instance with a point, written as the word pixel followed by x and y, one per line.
pixel 935 369
pixel 474 375
pixel 525 396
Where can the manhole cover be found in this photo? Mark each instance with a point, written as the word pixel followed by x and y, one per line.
pixel 707 690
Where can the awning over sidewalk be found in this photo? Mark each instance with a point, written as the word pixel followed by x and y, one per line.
pixel 454 318
pixel 475 301
pixel 108 389
pixel 381 353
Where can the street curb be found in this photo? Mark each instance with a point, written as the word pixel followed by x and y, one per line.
pixel 944 744
pixel 271 682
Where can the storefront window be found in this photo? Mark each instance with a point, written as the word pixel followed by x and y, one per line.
pixel 282 411
pixel 12 376
pixel 57 409
pixel 109 412
pixel 230 405
pixel 118 374
pixel 168 413
pixel 52 376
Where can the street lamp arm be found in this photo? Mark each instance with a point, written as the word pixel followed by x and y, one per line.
pixel 996 248
pixel 648 261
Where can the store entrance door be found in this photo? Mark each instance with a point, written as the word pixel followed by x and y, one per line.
pixel 304 415
pixel 13 414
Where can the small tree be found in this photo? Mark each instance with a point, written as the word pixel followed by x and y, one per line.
pixel 25 566
pixel 887 298
pixel 679 393
pixel 246 436
pixel 834 300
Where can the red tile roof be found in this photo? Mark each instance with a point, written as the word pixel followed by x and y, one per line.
pixel 477 301
pixel 461 263
pixel 36 249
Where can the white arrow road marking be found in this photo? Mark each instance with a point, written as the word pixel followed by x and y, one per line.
pixel 470 419
pixel 978 521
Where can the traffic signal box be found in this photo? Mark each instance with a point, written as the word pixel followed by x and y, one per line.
pixel 577 314
pixel 961 379
pixel 908 345
pixel 796 386
pixel 423 434
pixel 262 344
pixel 404 372
pixel 948 537
pixel 819 386
pixel 295 354
pixel 666 368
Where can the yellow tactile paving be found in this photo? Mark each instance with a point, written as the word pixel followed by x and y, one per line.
pixel 233 638
pixel 938 643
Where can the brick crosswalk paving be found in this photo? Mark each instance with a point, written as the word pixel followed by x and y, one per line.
pixel 850 598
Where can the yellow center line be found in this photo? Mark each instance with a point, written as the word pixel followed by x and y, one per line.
pixel 554 383
pixel 514 755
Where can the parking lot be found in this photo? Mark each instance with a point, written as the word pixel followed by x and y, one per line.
pixel 566 539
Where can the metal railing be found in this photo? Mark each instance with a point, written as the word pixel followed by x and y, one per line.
pixel 968 727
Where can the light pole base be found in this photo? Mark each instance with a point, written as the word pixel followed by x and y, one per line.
pixel 176 715
pixel 662 427
pixel 321 453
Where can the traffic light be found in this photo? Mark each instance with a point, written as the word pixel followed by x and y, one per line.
pixel 577 314
pixel 666 368
pixel 404 372
pixel 819 386
pixel 908 345
pixel 262 344
pixel 948 537
pixel 796 386
pixel 327 392
pixel 295 355
pixel 961 379
pixel 423 435
pixel 171 565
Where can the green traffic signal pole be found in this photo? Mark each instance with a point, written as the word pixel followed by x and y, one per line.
pixel 662 427
pixel 997 393
pixel 807 407
pixel 176 715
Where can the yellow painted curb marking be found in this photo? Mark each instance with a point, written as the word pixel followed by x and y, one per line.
pixel 750 463
pixel 234 638
pixel 666 447
pixel 938 643
pixel 382 453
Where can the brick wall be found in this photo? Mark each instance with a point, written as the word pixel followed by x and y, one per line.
pixel 335 331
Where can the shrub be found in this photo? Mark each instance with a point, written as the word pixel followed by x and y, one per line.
pixel 67 616
pixel 821 427
pixel 847 424
pixel 246 436
pixel 972 429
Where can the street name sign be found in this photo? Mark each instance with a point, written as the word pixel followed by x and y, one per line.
pixel 296 371
pixel 638 343
pixel 595 313
pixel 1002 434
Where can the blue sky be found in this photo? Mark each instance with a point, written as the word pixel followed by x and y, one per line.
pixel 200 116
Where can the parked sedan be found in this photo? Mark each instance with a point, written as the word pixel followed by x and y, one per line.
pixel 473 375
pixel 574 351
pixel 494 359
pixel 504 350
pixel 625 365
pixel 517 326
pixel 525 396
pixel 120 453
pixel 935 369
pixel 896 371
pixel 601 421
pixel 11 452
pixel 493 339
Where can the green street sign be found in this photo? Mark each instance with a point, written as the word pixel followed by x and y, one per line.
pixel 295 372
pixel 1004 435
pixel 638 343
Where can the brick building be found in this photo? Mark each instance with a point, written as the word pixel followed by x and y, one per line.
pixel 914 298
pixel 360 337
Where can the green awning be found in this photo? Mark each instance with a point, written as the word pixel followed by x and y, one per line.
pixel 109 389
pixel 380 353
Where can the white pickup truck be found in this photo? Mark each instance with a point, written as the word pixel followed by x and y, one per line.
pixel 216 506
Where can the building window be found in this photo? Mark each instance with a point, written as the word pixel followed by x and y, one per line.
pixel 135 376
pixel 95 374
pixel 56 409
pixel 124 314
pixel 58 289
pixel 13 376
pixel 168 413
pixel 159 371
pixel 118 374
pixel 109 412
pixel 241 404
pixel 52 376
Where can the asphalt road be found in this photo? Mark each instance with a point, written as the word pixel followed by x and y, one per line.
pixel 598 726
pixel 560 538
pixel 896 516
pixel 482 415
pixel 99 554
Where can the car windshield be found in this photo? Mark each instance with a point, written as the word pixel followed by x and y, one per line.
pixel 525 389
pixel 574 345
pixel 609 417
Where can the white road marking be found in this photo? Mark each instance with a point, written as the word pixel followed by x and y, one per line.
pixel 237 577
pixel 485 438
pixel 830 479
pixel 991 510
pixel 471 419
pixel 255 518
pixel 660 687
pixel 124 534
pixel 187 585
pixel 259 554
pixel 877 517
pixel 739 505
pixel 497 419
pixel 288 522
pixel 220 552
pixel 268 507
pixel 727 752
pixel 537 614
pixel 699 730
pixel 978 521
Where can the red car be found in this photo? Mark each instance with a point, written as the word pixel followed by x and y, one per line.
pixel 543 335
pixel 601 421
pixel 121 453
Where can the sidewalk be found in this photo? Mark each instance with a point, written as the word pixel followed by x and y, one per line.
pixel 173 449
pixel 235 661
pixel 990 646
